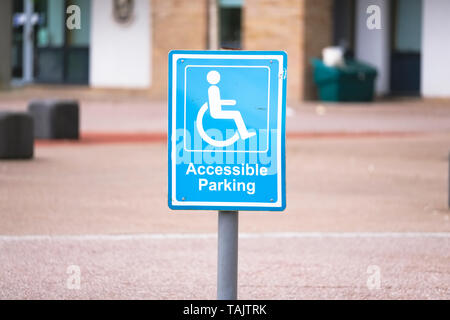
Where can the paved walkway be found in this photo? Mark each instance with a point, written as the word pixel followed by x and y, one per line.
pixel 123 111
pixel 333 185
pixel 345 266
pixel 357 208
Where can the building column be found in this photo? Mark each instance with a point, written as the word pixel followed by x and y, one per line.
pixel 373 45
pixel 5 43
pixel 300 27
pixel 435 48
pixel 276 25
pixel 213 25
pixel 175 25
pixel 318 34
pixel 28 41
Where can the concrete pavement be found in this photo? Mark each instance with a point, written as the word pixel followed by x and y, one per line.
pixel 333 184
pixel 369 203
pixel 344 266
pixel 366 200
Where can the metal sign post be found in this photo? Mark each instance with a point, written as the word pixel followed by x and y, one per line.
pixel 226 141
pixel 227 259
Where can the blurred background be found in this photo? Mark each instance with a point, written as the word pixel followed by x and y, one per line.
pixel 409 51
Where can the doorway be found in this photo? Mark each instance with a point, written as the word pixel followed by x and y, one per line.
pixel 406 47
pixel 230 17
pixel 61 55
pixel 344 26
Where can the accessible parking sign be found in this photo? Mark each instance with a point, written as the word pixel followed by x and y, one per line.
pixel 226 139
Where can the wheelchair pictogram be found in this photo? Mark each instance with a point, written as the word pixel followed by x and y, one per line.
pixel 214 104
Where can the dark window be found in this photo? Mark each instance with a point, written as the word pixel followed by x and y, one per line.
pixel 230 26
pixel 343 25
pixel 17 39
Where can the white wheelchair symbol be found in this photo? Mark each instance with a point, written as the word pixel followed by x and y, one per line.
pixel 216 112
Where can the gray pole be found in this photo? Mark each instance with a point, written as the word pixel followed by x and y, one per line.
pixel 213 26
pixel 28 42
pixel 227 262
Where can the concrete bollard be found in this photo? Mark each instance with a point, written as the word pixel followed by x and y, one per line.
pixel 16 135
pixel 55 119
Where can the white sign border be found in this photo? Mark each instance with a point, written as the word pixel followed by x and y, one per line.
pixel 175 59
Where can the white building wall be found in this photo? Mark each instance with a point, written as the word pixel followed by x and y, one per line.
pixel 373 46
pixel 436 48
pixel 120 54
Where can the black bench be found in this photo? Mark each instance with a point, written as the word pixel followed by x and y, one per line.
pixel 55 119
pixel 16 135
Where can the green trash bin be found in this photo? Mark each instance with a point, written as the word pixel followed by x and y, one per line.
pixel 353 82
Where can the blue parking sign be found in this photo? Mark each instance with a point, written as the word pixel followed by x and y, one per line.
pixel 226 139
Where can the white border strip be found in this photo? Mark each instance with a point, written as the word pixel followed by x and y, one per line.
pixel 218 149
pixel 200 236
